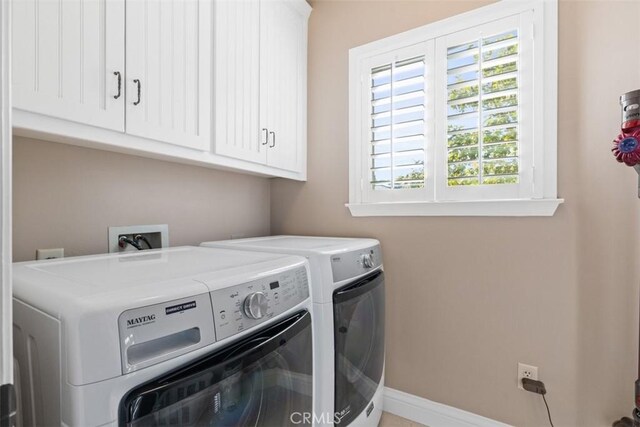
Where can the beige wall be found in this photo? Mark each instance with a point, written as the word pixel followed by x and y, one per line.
pixel 470 297
pixel 560 293
pixel 67 196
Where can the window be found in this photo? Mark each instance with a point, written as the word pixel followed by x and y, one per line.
pixel 458 117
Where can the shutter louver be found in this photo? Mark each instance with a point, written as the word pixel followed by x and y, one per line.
pixel 482 111
pixel 397 125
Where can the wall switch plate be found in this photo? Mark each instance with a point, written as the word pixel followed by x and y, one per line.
pixel 526 371
pixel 156 235
pixel 49 253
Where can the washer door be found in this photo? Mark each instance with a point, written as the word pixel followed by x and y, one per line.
pixel 261 380
pixel 358 319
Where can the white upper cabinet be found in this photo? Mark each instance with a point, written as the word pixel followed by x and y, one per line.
pixel 237 81
pixel 168 85
pixel 260 81
pixel 283 83
pixel 218 83
pixel 68 60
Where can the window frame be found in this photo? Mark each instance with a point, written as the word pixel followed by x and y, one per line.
pixel 537 194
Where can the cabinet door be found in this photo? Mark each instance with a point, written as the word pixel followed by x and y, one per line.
pixel 283 66
pixel 66 59
pixel 168 51
pixel 237 80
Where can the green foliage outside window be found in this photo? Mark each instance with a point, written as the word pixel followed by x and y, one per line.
pixel 463 139
pixel 500 135
pixel 500 102
pixel 463 154
pixel 500 151
pixel 500 85
pixel 500 164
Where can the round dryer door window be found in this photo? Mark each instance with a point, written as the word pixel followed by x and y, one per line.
pixel 358 316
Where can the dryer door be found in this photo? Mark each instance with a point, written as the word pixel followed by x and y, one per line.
pixel 262 380
pixel 358 319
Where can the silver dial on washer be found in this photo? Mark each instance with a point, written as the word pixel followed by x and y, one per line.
pixel 255 305
pixel 367 260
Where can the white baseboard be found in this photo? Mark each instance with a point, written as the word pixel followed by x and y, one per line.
pixel 431 413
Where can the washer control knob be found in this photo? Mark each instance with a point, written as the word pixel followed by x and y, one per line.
pixel 255 305
pixel 367 260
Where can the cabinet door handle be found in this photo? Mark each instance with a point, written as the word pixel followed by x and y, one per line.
pixel 117 73
pixel 273 139
pixel 137 81
pixel 266 136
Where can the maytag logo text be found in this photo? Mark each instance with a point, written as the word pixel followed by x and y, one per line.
pixel 142 320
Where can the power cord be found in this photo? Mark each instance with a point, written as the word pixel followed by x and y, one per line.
pixel 123 241
pixel 144 239
pixel 537 387
pixel 548 411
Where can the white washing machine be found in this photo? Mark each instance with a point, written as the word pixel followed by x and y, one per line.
pixel 347 289
pixel 174 337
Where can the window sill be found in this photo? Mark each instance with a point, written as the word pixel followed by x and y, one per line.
pixel 516 207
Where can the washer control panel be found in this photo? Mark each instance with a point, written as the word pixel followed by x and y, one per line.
pixel 355 263
pixel 243 306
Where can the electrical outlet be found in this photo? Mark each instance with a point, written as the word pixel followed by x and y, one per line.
pixel 526 371
pixel 49 253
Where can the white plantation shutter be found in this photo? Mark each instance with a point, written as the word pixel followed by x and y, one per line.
pixel 446 112
pixel 482 116
pixel 485 144
pixel 397 125
pixel 396 90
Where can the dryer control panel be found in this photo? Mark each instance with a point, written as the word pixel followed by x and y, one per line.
pixel 355 263
pixel 241 307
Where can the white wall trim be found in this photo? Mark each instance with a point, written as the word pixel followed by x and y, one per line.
pixel 517 207
pixel 431 413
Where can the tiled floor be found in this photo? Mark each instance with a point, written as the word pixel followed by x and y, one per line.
pixel 390 420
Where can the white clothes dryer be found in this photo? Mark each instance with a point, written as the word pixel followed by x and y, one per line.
pixel 347 289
